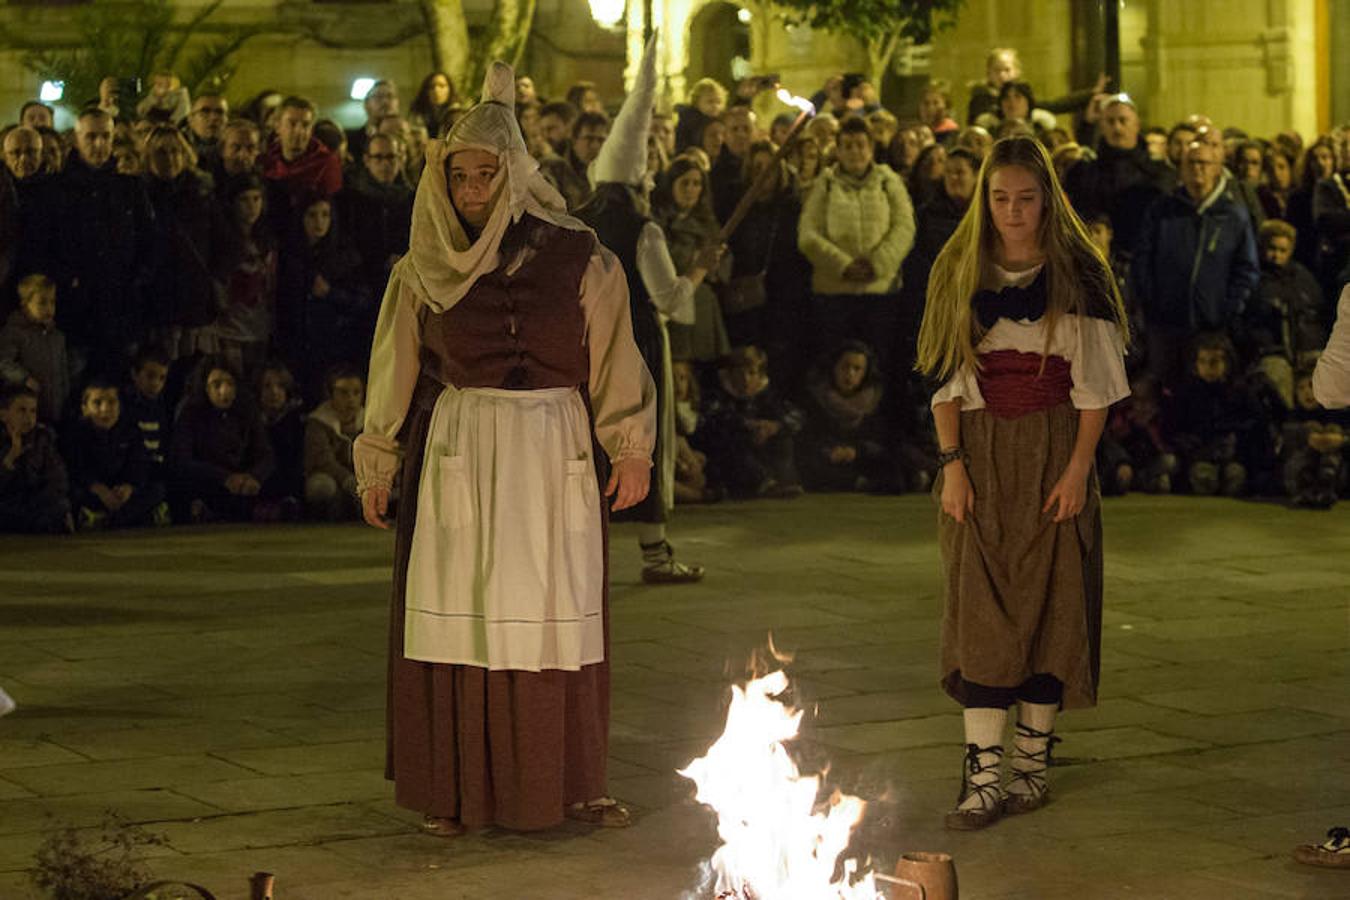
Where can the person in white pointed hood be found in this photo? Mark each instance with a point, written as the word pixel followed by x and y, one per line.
pixel 505 388
pixel 618 211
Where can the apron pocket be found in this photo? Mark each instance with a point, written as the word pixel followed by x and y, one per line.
pixel 579 494
pixel 455 504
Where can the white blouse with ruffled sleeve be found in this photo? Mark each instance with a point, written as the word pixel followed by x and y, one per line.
pixel 1093 347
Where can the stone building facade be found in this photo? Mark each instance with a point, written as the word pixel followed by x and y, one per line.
pixel 1264 65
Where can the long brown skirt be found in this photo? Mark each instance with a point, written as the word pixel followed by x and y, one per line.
pixel 1023 594
pixel 504 748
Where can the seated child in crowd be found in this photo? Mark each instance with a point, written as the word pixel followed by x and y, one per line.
pixel 280 403
pixel 691 477
pixel 1314 449
pixel 1214 419
pixel 330 476
pixel 1132 455
pixel 143 405
pixel 34 492
pixel 33 350
pixel 109 467
pixel 749 430
pixel 843 446
pixel 220 453
pixel 1286 323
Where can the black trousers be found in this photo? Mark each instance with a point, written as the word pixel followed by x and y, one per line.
pixel 1041 688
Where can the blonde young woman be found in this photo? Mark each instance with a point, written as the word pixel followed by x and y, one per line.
pixel 1026 329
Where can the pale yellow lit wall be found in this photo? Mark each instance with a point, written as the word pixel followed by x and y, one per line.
pixel 1250 63
pixel 1245 63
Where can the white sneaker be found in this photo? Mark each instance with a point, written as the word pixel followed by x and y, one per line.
pixel 7 703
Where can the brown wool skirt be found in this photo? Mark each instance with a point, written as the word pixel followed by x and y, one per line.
pixel 1023 594
pixel 505 748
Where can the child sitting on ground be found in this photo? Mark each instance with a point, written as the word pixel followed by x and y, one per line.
pixel 220 454
pixel 144 406
pixel 33 487
pixel 749 430
pixel 1213 419
pixel 109 467
pixel 1314 449
pixel 1132 454
pixel 843 446
pixel 33 350
pixel 280 402
pixel 691 478
pixel 330 478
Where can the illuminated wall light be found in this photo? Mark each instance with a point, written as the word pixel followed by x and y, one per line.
pixel 52 91
pixel 743 15
pixel 361 87
pixel 607 13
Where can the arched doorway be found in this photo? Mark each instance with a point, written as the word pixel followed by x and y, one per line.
pixel 717 36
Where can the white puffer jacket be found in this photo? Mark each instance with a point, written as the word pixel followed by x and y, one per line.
pixel 847 217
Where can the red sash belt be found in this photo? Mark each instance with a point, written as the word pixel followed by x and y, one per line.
pixel 1013 384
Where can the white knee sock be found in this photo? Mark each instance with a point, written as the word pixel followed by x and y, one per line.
pixel 649 534
pixel 1030 753
pixel 984 729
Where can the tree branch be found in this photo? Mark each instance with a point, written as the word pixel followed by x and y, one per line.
pixel 450 49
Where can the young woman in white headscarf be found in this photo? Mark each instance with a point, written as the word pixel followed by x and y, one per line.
pixel 619 212
pixel 505 389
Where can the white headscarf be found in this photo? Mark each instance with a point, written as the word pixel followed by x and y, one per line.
pixel 443 262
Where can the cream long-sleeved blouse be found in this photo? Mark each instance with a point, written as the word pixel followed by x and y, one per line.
pixel 1331 378
pixel 672 294
pixel 623 396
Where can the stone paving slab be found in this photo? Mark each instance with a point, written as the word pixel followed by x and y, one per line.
pixel 239 709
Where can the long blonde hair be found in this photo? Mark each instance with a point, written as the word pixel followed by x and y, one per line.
pixel 1076 272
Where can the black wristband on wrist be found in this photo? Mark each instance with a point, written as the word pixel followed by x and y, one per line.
pixel 951 456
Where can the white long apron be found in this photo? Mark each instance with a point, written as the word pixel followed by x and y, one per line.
pixel 507 565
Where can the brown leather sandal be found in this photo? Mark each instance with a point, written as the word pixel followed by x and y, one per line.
pixel 446 828
pixel 605 812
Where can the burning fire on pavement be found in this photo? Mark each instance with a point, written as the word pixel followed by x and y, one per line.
pixel 778 843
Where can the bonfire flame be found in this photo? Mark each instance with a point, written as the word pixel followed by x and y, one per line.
pixel 776 845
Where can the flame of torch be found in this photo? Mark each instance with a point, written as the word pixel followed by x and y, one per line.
pixel 806 109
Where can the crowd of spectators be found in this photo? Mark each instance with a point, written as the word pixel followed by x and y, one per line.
pixel 191 293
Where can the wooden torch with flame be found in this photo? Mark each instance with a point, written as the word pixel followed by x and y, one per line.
pixel 805 111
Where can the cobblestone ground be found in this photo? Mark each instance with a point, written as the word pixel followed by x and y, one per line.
pixel 225 686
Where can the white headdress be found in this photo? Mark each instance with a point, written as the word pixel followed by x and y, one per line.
pixel 443 262
pixel 623 157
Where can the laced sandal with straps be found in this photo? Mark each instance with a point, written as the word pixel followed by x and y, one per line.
pixel 442 827
pixel 1027 789
pixel 605 812
pixel 669 570
pixel 1333 853
pixel 987 807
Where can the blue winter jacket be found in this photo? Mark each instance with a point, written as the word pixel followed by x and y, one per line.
pixel 1195 264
